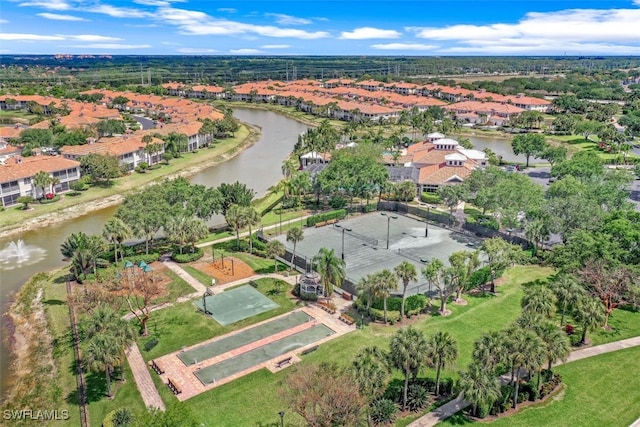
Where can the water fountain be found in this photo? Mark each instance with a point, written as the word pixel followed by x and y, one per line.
pixel 18 254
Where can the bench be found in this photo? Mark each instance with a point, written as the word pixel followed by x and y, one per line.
pixel 173 387
pixel 332 221
pixel 283 362
pixel 321 224
pixel 155 367
pixel 309 350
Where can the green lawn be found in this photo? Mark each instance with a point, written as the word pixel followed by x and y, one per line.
pixel 184 325
pixel 203 278
pixel 600 391
pixel 251 399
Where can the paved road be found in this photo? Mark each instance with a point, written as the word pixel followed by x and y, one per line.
pixel 458 404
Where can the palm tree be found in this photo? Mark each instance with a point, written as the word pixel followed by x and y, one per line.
pixel 41 180
pixel 289 167
pixel 539 299
pixel 556 342
pixel 489 350
pixel 480 387
pixel 331 269
pixel 567 291
pixel 406 272
pixel 589 312
pixel 196 229
pixel 236 218
pixel 96 247
pixel 103 354
pixel 525 353
pixel 294 235
pixel 275 249
pixel 366 289
pixel 443 350
pixel 252 217
pixel 384 282
pixel 407 351
pixel 370 369
pixel 115 231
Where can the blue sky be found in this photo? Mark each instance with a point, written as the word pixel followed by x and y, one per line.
pixel 303 27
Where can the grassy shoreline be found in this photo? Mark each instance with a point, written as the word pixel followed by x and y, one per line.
pixel 15 221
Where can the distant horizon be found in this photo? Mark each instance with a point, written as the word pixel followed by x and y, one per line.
pixel 485 28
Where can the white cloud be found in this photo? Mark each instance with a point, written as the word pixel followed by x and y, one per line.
pixel 227 10
pixel 404 46
pixel 3 21
pixel 89 38
pixel 118 12
pixel 112 46
pixel 369 33
pixel 200 24
pixel 58 17
pixel 152 2
pixel 283 19
pixel 612 31
pixel 48 4
pixel 29 37
pixel 195 50
pixel 275 46
pixel 170 43
pixel 245 51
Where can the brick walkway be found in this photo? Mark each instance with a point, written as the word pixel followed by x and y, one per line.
pixel 458 404
pixel 184 376
pixel 141 375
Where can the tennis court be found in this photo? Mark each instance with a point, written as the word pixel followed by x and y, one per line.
pixel 246 360
pixel 246 336
pixel 235 304
pixel 372 242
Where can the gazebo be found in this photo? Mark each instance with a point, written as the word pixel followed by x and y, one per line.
pixel 310 284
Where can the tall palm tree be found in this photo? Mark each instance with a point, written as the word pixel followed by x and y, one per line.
pixel 275 249
pixel 115 231
pixel 589 313
pixel 41 180
pixel 366 289
pixel 525 353
pixel 252 217
pixel 385 281
pixel 540 299
pixel 96 246
pixel 443 351
pixel 370 369
pixel 196 229
pixel 331 269
pixel 480 387
pixel 556 342
pixel 489 350
pixel 103 354
pixel 406 272
pixel 407 351
pixel 236 218
pixel 294 235
pixel 289 167
pixel 568 293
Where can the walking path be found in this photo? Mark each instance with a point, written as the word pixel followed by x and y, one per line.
pixel 141 375
pixel 458 404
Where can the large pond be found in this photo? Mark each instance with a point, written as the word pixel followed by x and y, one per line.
pixel 39 250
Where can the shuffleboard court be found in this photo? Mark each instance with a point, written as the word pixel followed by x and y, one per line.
pixel 259 355
pixel 247 336
pixel 235 304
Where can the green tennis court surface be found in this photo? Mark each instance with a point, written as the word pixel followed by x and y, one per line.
pixel 259 355
pixel 226 344
pixel 236 304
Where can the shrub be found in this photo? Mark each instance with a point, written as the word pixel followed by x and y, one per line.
pixel 383 411
pixel 569 329
pixel 430 198
pixel 394 391
pixel 417 397
pixel 79 186
pixel 48 199
pixel 393 316
pixel 482 410
pixel 188 256
pixel 135 259
pixel 337 202
pixel 49 196
pixel 337 214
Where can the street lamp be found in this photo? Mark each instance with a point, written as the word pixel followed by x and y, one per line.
pixel 388 224
pixel 426 223
pixel 343 230
pixel 280 220
pixel 281 413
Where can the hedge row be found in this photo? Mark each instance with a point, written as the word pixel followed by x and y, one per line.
pixel 135 259
pixel 337 214
pixel 431 198
pixel 188 256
